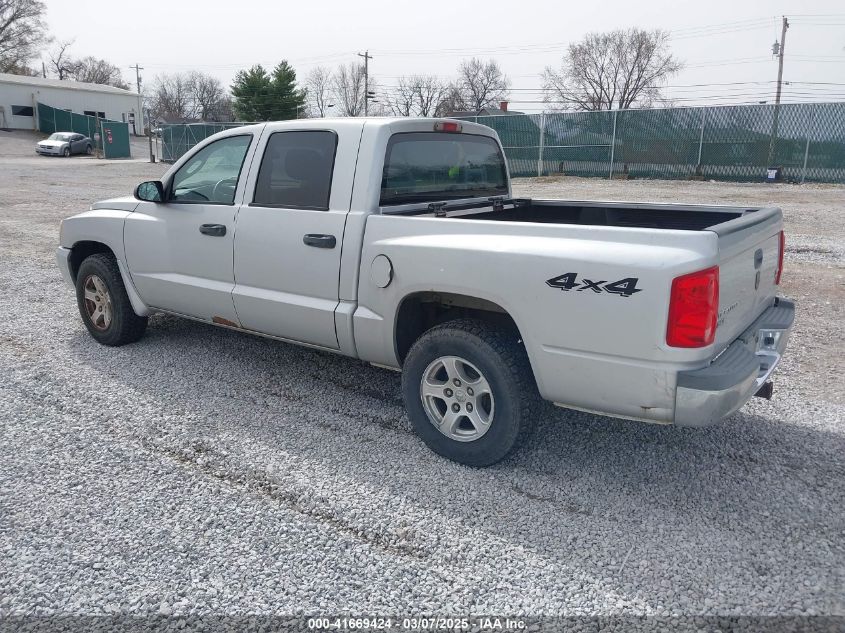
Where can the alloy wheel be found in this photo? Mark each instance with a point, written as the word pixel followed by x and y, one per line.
pixel 98 304
pixel 457 398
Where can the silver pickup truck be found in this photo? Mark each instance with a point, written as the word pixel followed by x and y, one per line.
pixel 397 241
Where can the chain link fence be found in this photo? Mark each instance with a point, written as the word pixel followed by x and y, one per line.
pixel 806 141
pixel 178 138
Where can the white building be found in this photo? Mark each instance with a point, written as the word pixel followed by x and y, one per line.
pixel 19 95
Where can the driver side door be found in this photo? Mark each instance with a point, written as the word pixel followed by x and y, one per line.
pixel 180 251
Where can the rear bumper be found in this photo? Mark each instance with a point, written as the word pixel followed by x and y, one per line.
pixel 705 396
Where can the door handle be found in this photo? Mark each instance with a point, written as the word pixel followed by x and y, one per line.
pixel 215 230
pixel 319 241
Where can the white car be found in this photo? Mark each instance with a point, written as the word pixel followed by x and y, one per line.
pixel 65 144
pixel 397 241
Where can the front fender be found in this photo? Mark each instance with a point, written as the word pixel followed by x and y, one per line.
pixel 103 226
pixel 98 225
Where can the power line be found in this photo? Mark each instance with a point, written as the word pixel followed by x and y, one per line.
pixel 719 25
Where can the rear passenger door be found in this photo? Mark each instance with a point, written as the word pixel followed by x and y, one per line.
pixel 77 144
pixel 290 230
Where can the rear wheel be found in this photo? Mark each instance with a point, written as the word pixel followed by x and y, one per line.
pixel 89 150
pixel 104 304
pixel 469 391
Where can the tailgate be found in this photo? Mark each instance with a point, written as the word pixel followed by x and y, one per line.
pixel 749 251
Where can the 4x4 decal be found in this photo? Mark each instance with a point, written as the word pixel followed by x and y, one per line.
pixel 569 281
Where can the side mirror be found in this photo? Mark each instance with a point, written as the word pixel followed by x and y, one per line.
pixel 150 191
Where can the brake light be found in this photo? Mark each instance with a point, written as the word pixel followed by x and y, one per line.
pixel 447 126
pixel 693 309
pixel 780 257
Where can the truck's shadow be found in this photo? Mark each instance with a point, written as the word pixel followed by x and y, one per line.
pixel 346 418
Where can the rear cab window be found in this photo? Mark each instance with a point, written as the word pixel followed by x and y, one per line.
pixel 430 166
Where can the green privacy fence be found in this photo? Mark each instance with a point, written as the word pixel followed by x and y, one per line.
pixel 807 141
pixel 113 135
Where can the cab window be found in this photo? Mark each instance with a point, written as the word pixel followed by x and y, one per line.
pixel 211 175
pixel 296 170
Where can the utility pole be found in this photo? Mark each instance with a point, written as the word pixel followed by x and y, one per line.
pixel 139 118
pixel 367 57
pixel 781 49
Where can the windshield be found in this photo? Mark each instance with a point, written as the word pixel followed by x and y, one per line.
pixel 59 137
pixel 427 166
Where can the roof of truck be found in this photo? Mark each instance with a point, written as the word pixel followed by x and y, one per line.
pixel 378 120
pixel 372 121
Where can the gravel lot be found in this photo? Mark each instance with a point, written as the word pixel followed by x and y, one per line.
pixel 203 471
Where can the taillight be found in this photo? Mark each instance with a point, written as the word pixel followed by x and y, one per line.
pixel 780 257
pixel 693 309
pixel 447 126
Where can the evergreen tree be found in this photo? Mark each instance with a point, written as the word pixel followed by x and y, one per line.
pixel 262 96
pixel 288 100
pixel 250 93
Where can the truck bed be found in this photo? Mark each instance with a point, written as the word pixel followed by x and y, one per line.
pixel 592 213
pixel 745 239
pixel 653 216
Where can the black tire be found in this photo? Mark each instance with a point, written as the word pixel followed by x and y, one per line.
pixel 125 326
pixel 501 359
pixel 89 150
pixel 66 152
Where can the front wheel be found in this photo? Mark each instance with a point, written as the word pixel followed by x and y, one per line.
pixel 66 152
pixel 104 304
pixel 469 391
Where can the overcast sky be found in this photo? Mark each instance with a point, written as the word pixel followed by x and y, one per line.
pixel 719 41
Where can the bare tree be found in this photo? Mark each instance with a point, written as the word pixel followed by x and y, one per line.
pixel 618 69
pixel 348 89
pixel 481 84
pixel 224 110
pixel 61 62
pixel 402 99
pixel 318 89
pixel 452 101
pixel 429 92
pixel 207 95
pixel 97 71
pixel 417 95
pixel 22 69
pixel 190 95
pixel 22 30
pixel 88 69
pixel 171 97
